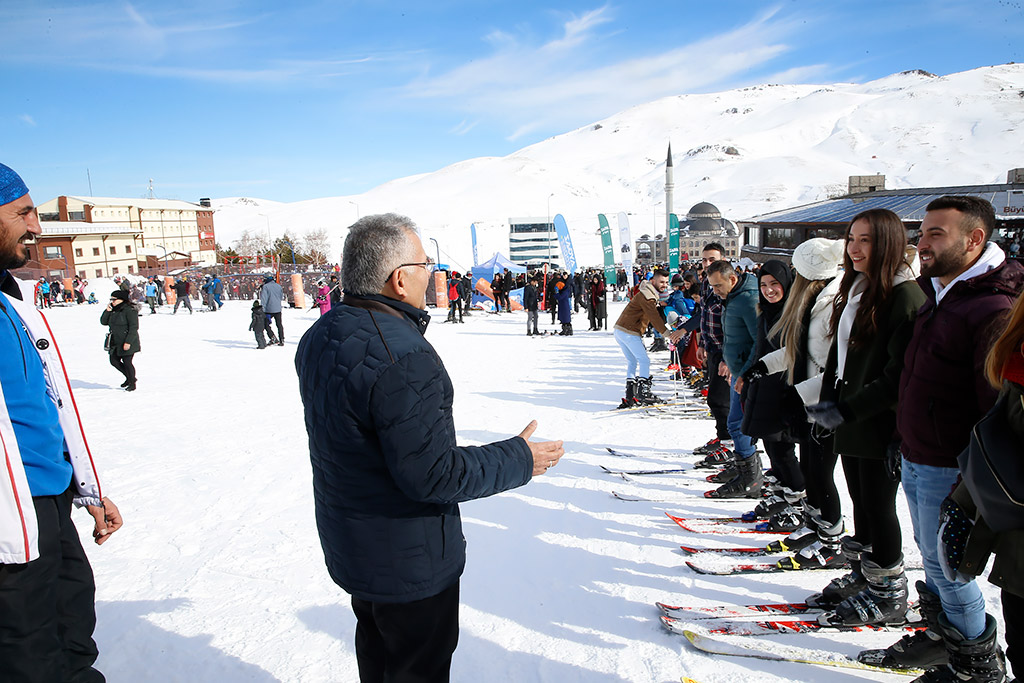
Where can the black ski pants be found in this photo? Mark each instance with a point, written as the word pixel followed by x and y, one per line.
pixel 277 321
pixel 47 606
pixel 124 365
pixel 407 642
pixel 874 508
pixel 1013 618
pixel 785 466
pixel 718 395
pixel 818 462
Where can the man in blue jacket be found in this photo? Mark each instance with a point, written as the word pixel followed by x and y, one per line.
pixel 738 293
pixel 387 473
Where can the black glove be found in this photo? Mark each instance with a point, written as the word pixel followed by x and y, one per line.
pixel 755 371
pixel 894 461
pixel 825 414
pixel 954 529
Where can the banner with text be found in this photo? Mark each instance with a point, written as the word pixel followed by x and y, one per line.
pixel 673 242
pixel 565 242
pixel 609 250
pixel 626 248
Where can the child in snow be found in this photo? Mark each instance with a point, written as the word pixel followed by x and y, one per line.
pixel 258 324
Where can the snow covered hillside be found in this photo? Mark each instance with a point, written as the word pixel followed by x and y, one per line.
pixel 218 575
pixel 747 151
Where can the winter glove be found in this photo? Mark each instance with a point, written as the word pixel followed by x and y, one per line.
pixel 755 371
pixel 825 414
pixel 894 461
pixel 954 529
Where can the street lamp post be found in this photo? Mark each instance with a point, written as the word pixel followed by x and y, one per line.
pixel 355 205
pixel 547 266
pixel 437 249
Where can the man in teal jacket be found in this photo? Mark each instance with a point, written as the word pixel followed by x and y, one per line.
pixel 738 293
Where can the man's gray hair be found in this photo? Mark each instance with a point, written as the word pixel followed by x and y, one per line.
pixel 375 246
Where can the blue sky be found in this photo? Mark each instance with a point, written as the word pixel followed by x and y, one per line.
pixel 291 101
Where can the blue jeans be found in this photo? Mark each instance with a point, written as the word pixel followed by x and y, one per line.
pixel 743 445
pixel 926 487
pixel 636 354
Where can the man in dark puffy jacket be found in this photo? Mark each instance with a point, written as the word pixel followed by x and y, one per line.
pixel 387 473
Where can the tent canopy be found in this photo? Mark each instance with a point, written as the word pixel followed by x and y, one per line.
pixel 496 263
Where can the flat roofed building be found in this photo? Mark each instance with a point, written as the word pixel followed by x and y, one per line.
pixel 532 241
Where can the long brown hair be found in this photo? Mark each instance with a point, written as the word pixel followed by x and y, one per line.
pixel 1011 341
pixel 888 255
pixel 790 326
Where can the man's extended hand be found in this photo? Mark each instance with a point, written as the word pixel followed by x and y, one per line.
pixel 108 520
pixel 546 454
pixel 676 335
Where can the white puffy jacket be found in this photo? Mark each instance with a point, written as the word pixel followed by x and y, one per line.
pixel 18 528
pixel 818 343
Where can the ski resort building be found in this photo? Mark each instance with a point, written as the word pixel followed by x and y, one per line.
pixel 774 235
pixel 532 242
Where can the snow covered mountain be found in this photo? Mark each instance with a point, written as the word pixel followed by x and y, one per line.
pixel 748 151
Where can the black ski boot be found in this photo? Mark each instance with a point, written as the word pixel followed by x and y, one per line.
pixel 826 551
pixel 799 538
pixel 746 484
pixel 630 400
pixel 658 345
pixel 569 327
pixel 643 392
pixel 970 661
pixel 845 586
pixel 920 649
pixel 721 457
pixel 884 601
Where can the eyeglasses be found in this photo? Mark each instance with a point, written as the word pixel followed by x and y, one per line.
pixel 426 266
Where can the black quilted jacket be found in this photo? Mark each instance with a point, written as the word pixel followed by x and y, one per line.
pixel 387 473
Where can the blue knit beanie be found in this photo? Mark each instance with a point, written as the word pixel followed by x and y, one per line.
pixel 11 185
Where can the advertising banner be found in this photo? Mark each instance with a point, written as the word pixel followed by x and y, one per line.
pixel 626 248
pixel 609 250
pixel 565 243
pixel 673 243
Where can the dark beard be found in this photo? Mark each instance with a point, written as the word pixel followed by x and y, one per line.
pixel 950 261
pixel 13 259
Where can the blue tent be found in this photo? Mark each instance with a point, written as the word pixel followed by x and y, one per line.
pixel 488 268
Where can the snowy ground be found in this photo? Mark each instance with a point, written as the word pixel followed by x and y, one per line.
pixel 217 574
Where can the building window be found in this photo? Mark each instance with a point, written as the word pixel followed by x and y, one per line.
pixel 78 252
pixel 113 250
pixel 76 215
pixel 52 253
pixel 99 273
pixel 131 269
pixel 81 275
pixel 128 249
pixel 113 271
pixel 96 252
pixel 780 238
pixel 827 233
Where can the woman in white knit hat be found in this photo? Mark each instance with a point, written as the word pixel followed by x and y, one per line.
pixel 806 338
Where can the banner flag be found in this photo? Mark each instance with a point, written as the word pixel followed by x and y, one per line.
pixel 565 242
pixel 626 248
pixel 673 243
pixel 609 250
pixel 472 231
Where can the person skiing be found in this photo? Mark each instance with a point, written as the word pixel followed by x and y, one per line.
pixel 641 310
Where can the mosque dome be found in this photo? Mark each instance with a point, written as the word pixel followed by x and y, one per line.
pixel 703 210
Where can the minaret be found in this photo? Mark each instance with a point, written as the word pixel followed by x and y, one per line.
pixel 670 186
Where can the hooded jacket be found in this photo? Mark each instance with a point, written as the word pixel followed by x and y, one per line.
pixel 19 541
pixel 641 310
pixel 739 325
pixel 943 391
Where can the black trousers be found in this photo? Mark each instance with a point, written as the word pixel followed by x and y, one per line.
pixel 818 463
pixel 1013 618
pixel 124 365
pixel 785 466
pixel 874 508
pixel 718 395
pixel 47 606
pixel 280 327
pixel 407 642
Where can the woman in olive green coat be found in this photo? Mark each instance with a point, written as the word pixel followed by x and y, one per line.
pixel 872 321
pixel 122 318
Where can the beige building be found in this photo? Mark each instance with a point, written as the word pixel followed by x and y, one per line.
pixel 164 226
pixel 88 250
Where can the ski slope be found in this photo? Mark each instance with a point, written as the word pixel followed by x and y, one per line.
pixel 217 575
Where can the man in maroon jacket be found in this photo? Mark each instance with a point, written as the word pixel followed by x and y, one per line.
pixel 969 283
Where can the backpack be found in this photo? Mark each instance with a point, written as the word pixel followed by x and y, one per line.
pixel 453 291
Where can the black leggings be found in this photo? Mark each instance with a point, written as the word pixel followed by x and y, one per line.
pixel 1013 617
pixel 782 455
pixel 124 366
pixel 818 462
pixel 874 508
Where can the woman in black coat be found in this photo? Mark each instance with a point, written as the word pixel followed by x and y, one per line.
pixel 122 318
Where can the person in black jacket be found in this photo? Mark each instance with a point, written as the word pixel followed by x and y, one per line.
pixel 387 472
pixel 530 301
pixel 182 294
pixel 122 318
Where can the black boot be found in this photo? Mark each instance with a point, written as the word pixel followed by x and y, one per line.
pixel 845 586
pixel 569 326
pixel 884 601
pixel 970 661
pixel 747 483
pixel 825 552
pixel 919 650
pixel 658 345
pixel 630 400
pixel 643 391
pixel 723 457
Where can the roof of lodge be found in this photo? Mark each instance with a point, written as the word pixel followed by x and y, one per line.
pixel 909 204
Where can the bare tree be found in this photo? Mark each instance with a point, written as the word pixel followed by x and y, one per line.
pixel 318 245
pixel 252 243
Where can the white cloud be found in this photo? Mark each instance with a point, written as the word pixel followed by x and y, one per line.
pixel 579 76
pixel 27 118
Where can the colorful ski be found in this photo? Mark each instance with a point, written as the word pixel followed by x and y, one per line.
pixel 731 552
pixel 634 473
pixel 720 611
pixel 729 627
pixel 723 569
pixel 786 654
pixel 626 454
pixel 717 525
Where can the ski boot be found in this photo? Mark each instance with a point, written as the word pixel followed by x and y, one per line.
pixel 717 458
pixel 708 448
pixel 746 484
pixel 787 520
pixel 630 399
pixel 825 552
pixel 771 505
pixel 970 661
pixel 920 649
pixel 658 345
pixel 644 396
pixel 883 602
pixel 845 586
